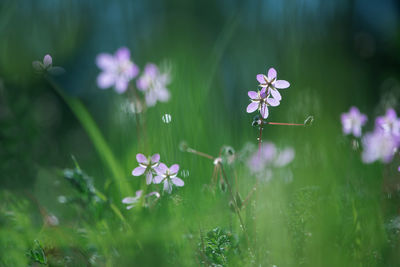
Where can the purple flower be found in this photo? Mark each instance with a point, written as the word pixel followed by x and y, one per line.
pixel 168 176
pixel 259 159
pixel 271 83
pixel 47 66
pixel 117 70
pixel 146 165
pixel 389 123
pixel 379 146
pixel 284 157
pixel 154 85
pixel 261 163
pixel 132 201
pixel 260 101
pixel 353 121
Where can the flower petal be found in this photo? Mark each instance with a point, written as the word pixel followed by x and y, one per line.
pixel 253 106
pixel 105 80
pixel 276 94
pixel 141 158
pixel 155 158
pixel 129 200
pixel 163 94
pixel 273 102
pixel 139 193
pixel 177 181
pixel 121 84
pixel 161 168
pixel 47 61
pixel 263 92
pixel 260 78
pixel 138 171
pixel 105 61
pixel 174 168
pixel 281 84
pixel 123 53
pixel 252 94
pixel 271 73
pixel 264 111
pixel 149 177
pixel 157 179
pixel 167 186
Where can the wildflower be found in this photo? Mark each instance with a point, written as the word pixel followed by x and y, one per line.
pixel 146 165
pixel 271 83
pixel 154 85
pixel 379 146
pixel 389 123
pixel 260 101
pixel 284 157
pixel 47 66
pixel 117 70
pixel 262 162
pixel 132 201
pixel 260 159
pixel 168 176
pixel 353 121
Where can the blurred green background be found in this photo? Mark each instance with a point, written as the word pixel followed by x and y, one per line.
pixel 336 211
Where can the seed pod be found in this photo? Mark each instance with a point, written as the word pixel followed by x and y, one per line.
pixel 308 121
pixel 222 185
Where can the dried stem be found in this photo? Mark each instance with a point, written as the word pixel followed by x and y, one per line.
pixel 283 123
pixel 204 155
pixel 249 195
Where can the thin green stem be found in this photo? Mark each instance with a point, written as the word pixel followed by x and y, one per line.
pixel 95 136
pixel 235 204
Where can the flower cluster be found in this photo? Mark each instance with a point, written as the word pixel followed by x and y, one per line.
pixel 268 95
pixel 119 70
pixel 155 172
pixel 262 162
pixel 380 144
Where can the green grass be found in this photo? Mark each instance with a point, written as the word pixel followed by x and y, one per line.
pixel 335 211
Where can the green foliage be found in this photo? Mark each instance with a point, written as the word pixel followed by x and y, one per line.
pixel 37 254
pixel 218 246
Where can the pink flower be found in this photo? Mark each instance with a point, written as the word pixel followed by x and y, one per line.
pixel 117 70
pixel 260 101
pixel 168 177
pixel 389 123
pixel 379 146
pixel 132 201
pixel 146 165
pixel 269 157
pixel 271 83
pixel 154 85
pixel 353 121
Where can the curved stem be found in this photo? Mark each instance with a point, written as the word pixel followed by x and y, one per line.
pixel 95 135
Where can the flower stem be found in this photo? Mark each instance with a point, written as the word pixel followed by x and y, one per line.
pixel 204 155
pixel 283 123
pixel 95 135
pixel 234 203
pixel 259 141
